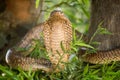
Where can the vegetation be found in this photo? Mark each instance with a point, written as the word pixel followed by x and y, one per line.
pixel 79 14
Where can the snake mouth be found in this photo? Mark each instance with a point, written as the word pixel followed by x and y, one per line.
pixel 7 55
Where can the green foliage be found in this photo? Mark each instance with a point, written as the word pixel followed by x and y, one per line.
pixel 78 42
pixel 78 13
pixel 39 50
pixel 37 3
pixel 75 70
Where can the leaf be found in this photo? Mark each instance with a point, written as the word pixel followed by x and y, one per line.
pixel 62 46
pixel 95 43
pixel 75 49
pixel 37 3
pixel 104 31
pixel 83 44
pixel 86 69
pixel 96 71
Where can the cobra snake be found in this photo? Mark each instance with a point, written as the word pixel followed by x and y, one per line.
pixel 56 30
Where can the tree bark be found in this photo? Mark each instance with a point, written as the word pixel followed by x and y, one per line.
pixel 108 12
pixel 16 18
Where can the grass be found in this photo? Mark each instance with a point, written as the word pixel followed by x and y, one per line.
pixel 75 70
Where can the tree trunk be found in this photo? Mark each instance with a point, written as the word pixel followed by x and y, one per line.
pixel 16 18
pixel 108 12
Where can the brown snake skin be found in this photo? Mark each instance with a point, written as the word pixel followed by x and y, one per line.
pixel 56 30
pixel 101 57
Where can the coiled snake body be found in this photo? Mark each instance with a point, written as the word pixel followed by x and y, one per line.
pixel 57 31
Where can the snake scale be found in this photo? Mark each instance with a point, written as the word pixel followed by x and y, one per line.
pixel 56 30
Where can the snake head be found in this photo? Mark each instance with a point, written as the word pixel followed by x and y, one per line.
pixel 57 12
